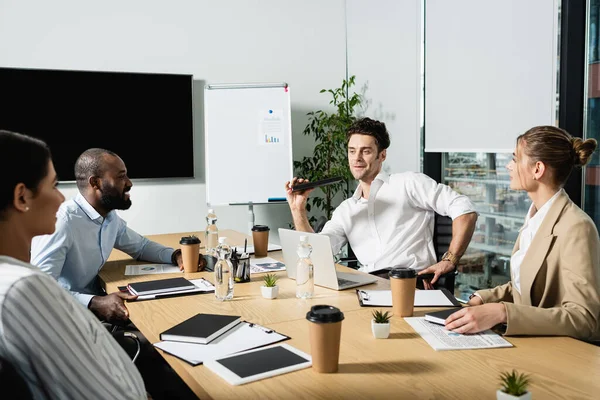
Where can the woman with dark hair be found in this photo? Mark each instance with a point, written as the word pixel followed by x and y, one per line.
pixel 555 265
pixel 58 347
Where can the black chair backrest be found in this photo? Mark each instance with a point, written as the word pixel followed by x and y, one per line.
pixel 10 378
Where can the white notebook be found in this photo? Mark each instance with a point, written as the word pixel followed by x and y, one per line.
pixel 244 336
pixel 252 365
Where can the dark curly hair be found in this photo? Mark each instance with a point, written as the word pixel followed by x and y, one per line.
pixel 371 127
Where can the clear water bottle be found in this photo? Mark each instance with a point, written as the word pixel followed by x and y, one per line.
pixel 223 272
pixel 211 233
pixel 305 281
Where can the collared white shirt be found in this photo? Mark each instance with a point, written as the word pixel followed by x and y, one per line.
pixel 533 221
pixel 395 225
pixel 81 244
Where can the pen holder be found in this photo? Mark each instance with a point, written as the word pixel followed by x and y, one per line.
pixel 241 267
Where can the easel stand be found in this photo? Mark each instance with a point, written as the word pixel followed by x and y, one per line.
pixel 251 219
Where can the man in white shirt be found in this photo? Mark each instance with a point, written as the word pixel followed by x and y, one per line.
pixel 389 220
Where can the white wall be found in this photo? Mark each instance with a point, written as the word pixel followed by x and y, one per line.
pixel 384 52
pixel 298 42
pixel 302 43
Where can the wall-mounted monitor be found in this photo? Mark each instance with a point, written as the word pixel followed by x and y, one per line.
pixel 145 118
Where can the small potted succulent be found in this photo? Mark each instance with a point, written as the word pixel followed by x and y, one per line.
pixel 270 290
pixel 514 386
pixel 380 324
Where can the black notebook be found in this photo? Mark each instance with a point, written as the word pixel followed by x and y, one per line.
pixel 201 328
pixel 438 317
pixel 160 286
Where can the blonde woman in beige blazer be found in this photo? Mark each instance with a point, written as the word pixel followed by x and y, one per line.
pixel 555 266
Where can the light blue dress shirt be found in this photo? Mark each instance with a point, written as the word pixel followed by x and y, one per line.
pixel 81 244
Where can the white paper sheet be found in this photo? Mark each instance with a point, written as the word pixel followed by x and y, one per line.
pixel 265 264
pixel 145 269
pixel 423 298
pixel 244 336
pixel 250 248
pixel 440 338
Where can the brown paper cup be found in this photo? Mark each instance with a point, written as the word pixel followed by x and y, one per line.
pixel 325 346
pixel 190 254
pixel 260 239
pixel 325 331
pixel 403 292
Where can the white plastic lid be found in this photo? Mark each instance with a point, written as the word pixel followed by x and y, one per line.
pixel 222 239
pixel 304 238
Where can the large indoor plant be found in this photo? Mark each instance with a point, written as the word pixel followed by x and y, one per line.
pixel 329 157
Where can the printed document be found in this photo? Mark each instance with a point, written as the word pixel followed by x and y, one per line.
pixel 440 338
pixel 265 264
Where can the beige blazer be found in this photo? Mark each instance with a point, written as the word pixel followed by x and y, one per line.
pixel 560 278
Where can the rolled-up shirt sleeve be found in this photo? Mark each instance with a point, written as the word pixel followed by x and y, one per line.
pixel 141 248
pixel 427 194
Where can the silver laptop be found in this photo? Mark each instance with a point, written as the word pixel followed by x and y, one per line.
pixel 322 258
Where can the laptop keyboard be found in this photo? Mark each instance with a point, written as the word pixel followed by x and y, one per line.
pixel 345 282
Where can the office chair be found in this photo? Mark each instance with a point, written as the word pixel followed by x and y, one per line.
pixel 442 236
pixel 10 378
pixel 119 335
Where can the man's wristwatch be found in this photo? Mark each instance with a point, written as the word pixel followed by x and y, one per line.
pixel 448 256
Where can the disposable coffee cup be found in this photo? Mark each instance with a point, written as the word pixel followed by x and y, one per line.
pixel 260 238
pixel 325 330
pixel 190 252
pixel 403 282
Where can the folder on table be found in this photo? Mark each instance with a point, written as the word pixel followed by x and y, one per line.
pixel 244 336
pixel 423 298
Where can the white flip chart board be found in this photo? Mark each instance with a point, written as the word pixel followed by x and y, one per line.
pixel 248 142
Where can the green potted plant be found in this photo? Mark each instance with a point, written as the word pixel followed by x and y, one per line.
pixel 514 386
pixel 269 289
pixel 380 324
pixel 330 156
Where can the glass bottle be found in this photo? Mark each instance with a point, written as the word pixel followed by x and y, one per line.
pixel 305 282
pixel 223 271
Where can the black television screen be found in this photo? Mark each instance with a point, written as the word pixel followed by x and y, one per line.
pixel 145 118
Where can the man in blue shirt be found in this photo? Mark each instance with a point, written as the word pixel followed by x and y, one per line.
pixel 87 230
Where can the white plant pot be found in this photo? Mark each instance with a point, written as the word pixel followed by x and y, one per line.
pixel 380 331
pixel 500 395
pixel 269 292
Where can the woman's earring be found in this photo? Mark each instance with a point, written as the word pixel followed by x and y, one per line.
pixel 26 208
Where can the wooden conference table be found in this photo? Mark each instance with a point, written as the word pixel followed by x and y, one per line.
pixel 402 366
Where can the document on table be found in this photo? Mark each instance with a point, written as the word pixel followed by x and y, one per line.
pixel 440 338
pixel 265 264
pixel 202 286
pixel 423 298
pixel 143 269
pixel 243 336
pixel 250 248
